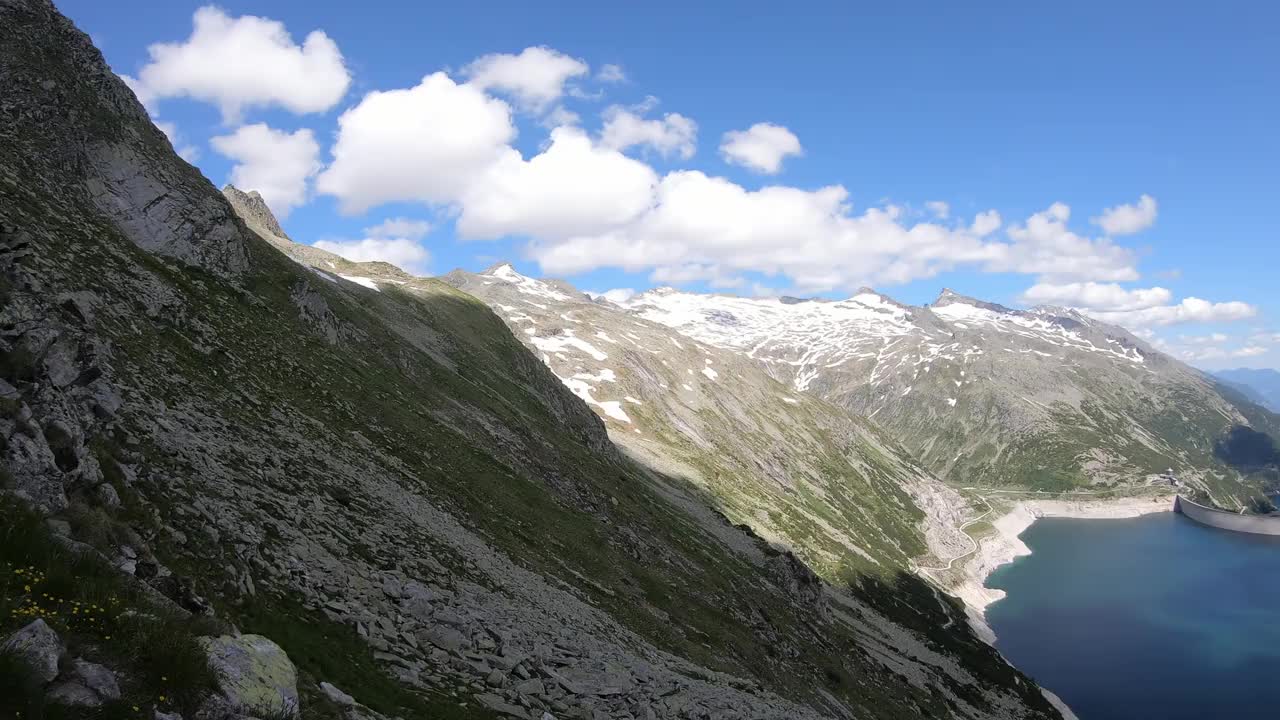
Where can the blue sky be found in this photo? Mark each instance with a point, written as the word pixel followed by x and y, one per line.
pixel 1010 107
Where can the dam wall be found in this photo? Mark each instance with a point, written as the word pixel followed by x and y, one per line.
pixel 1256 524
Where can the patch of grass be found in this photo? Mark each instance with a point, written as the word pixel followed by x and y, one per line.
pixel 325 651
pixel 100 615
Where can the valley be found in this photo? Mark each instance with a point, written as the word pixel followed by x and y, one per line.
pixel 250 476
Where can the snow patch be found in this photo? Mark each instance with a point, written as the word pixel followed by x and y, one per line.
pixel 359 280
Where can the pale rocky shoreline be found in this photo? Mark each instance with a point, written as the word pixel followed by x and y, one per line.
pixel 1004 546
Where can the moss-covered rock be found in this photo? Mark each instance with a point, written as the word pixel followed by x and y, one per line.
pixel 253 672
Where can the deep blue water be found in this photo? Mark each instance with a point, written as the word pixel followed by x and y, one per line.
pixel 1152 617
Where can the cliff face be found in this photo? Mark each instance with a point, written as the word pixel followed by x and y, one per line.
pixel 382 480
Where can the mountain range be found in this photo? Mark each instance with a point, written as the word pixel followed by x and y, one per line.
pixel 365 494
pixel 331 488
pixel 984 395
pixel 1261 385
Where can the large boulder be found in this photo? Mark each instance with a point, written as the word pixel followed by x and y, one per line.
pixel 39 646
pixel 253 672
pixel 85 684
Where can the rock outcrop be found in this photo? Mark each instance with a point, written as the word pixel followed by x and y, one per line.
pixel 38 647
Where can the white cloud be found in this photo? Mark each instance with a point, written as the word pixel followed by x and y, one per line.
pixel 617 295
pixel 985 223
pixel 1196 354
pixel 244 62
pixel 402 252
pixel 560 116
pixel 610 73
pixel 426 143
pixel 573 187
pixel 940 209
pixel 708 228
pixel 535 78
pixel 761 148
pixel 1211 338
pixel 1190 310
pixel 1097 296
pixel 399 227
pixel 1128 219
pixel 275 163
pixel 674 134
pixel 185 150
pixel 1044 246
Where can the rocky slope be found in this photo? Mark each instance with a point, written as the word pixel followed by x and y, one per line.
pixel 985 395
pixel 373 473
pixel 799 471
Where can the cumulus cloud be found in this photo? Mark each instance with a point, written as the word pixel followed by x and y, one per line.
pixel 708 228
pixel 1197 354
pixel 761 148
pixel 560 116
pixel 1190 310
pixel 673 134
pixel 535 78
pixel 617 295
pixel 1128 219
pixel 1097 296
pixel 1043 245
pixel 573 187
pixel 610 73
pixel 399 227
pixel 277 164
pixel 985 223
pixel 1214 338
pixel 939 208
pixel 243 62
pixel 583 204
pixel 423 143
pixel 408 255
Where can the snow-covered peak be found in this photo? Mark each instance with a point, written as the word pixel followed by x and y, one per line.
pixel 523 283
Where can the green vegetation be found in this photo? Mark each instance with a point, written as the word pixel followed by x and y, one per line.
pixel 326 651
pixel 100 616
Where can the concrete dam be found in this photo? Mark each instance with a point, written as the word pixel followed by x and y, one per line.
pixel 1256 524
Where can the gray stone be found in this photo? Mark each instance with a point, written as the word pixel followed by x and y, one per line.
pixel 107 495
pixel 98 679
pixel 336 695
pixel 85 684
pixel 496 703
pixel 496 679
pixel 39 646
pixel 60 362
pixel 253 672
pixel 58 527
pixel 530 687
pixel 70 692
pixel 8 392
pixel 445 638
pixel 418 607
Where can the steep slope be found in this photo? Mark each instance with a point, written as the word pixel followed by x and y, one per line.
pixel 797 470
pixel 377 474
pixel 982 394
